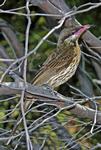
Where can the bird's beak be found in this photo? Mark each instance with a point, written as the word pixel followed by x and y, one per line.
pixel 82 29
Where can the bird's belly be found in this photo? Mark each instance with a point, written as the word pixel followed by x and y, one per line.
pixel 64 75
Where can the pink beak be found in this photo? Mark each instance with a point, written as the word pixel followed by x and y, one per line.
pixel 82 29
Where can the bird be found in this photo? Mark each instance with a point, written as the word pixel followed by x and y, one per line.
pixel 61 65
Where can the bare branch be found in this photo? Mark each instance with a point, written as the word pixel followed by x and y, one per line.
pixel 3 3
pixel 35 49
pixel 59 100
pixel 4 55
pixel 11 38
pixel 54 7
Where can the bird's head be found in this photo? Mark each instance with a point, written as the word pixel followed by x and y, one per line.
pixel 76 33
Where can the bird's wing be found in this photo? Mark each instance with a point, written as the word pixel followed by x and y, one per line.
pixel 61 57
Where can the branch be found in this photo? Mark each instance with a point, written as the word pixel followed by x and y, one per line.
pixel 10 36
pixel 63 134
pixel 59 7
pixel 58 100
pixel 4 55
pixel 97 68
pixel 34 50
pixel 85 85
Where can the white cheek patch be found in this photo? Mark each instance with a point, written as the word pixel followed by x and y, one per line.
pixel 73 36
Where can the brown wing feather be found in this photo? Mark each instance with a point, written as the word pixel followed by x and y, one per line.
pixel 59 59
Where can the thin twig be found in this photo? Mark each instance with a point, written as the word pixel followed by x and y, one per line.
pixel 3 3
pixel 34 50
pixel 28 141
